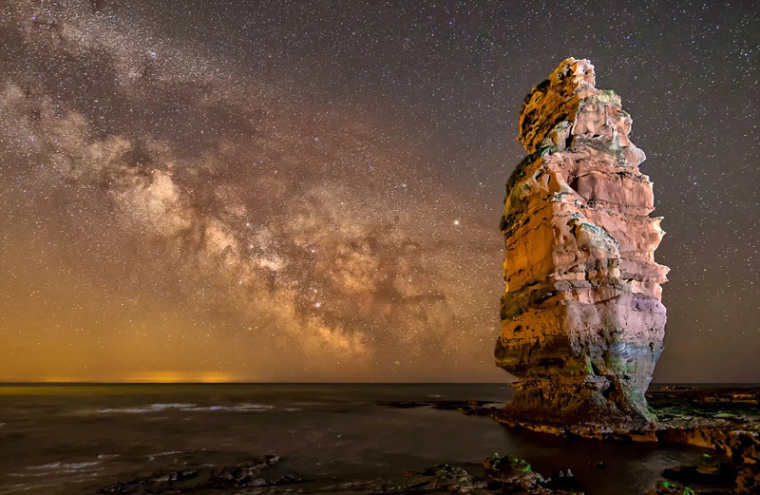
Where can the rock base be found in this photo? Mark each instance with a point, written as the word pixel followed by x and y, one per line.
pixel 723 420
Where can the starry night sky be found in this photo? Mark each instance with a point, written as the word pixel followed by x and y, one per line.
pixel 312 190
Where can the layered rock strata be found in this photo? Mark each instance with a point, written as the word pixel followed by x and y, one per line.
pixel 582 323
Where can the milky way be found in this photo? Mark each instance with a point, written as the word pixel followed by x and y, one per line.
pixel 313 191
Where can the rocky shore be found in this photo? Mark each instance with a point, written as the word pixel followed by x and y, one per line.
pixel 723 422
pixel 497 474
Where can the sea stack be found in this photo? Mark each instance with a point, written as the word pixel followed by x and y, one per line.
pixel 582 322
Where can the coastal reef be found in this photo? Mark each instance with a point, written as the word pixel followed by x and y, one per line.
pixel 498 474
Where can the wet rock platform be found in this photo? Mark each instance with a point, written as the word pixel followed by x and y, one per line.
pixel 722 420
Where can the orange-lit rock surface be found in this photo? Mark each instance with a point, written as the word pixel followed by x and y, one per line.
pixel 582 324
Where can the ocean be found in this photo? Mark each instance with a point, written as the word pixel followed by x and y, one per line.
pixel 63 439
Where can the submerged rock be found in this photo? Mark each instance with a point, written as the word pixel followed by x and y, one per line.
pixel 499 474
pixel 468 407
pixel 582 324
pixel 711 476
pixel 206 478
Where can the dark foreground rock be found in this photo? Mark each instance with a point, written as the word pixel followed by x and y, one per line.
pixel 207 479
pixel 710 477
pixel 499 474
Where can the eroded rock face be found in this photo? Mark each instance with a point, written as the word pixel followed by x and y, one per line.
pixel 582 324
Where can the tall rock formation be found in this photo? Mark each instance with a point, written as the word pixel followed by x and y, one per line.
pixel 582 324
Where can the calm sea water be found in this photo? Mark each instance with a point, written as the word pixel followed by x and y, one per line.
pixel 72 439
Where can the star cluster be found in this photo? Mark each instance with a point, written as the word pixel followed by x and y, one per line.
pixel 312 191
